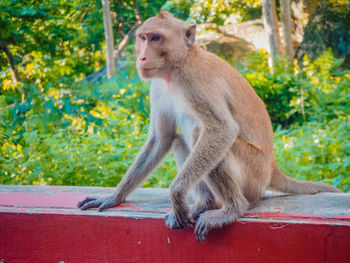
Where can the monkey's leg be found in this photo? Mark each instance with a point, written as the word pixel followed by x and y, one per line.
pixel 225 182
pixel 256 167
pixel 205 199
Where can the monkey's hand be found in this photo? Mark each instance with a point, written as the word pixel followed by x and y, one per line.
pixel 102 202
pixel 178 220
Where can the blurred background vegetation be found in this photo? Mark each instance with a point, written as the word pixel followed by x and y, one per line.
pixel 62 122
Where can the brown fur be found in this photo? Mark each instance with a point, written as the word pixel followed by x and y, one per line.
pixel 230 152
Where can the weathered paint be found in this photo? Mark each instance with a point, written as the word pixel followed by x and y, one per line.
pixel 134 207
pixel 67 200
pixel 345 218
pixel 42 224
pixel 279 215
pixel 297 216
pixel 63 200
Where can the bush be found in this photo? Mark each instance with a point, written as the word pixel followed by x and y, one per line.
pixel 85 135
pixel 316 92
pixel 316 151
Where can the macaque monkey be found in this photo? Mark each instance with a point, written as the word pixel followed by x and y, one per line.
pixel 224 150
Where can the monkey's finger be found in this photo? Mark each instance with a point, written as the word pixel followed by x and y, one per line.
pixel 106 205
pixel 90 204
pixel 86 200
pixel 101 208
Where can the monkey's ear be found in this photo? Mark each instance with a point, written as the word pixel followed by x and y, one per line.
pixel 163 14
pixel 190 34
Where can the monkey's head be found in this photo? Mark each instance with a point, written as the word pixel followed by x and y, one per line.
pixel 162 44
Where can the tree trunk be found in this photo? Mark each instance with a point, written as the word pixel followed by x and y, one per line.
pixel 301 11
pixel 107 22
pixel 286 20
pixel 271 27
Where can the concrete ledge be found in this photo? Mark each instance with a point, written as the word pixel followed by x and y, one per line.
pixel 42 224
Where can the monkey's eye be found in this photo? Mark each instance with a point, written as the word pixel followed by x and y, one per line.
pixel 143 37
pixel 155 37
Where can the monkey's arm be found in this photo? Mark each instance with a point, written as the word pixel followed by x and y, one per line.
pixel 218 133
pixel 156 147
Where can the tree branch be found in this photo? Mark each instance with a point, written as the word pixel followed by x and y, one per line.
pixel 122 44
pixel 129 35
pixel 15 76
pixel 97 76
pixel 137 13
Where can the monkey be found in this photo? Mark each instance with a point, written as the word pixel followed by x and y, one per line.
pixel 215 124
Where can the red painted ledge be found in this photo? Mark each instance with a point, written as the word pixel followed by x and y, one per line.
pixel 42 224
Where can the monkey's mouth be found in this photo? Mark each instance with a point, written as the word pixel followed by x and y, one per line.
pixel 148 69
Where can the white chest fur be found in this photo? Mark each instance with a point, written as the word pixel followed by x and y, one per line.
pixel 166 98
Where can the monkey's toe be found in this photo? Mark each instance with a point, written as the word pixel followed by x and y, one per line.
pixel 178 221
pixel 206 222
pixel 196 211
pixel 202 229
pixel 171 222
pixel 200 208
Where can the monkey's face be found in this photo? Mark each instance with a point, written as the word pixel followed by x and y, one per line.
pixel 160 45
pixel 151 54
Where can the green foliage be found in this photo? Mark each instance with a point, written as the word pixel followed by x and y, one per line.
pixel 316 151
pixel 54 130
pixel 124 11
pixel 88 135
pixel 281 91
pixel 56 32
pixel 315 93
pixel 179 8
pixel 327 91
pixel 215 11
pixel 310 111
pixel 62 38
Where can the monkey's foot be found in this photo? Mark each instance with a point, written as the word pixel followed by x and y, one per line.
pixel 213 219
pixel 101 202
pixel 178 221
pixel 199 208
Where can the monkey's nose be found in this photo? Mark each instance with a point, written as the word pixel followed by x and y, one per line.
pixel 142 59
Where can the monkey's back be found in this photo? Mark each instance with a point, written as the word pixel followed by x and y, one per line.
pixel 246 107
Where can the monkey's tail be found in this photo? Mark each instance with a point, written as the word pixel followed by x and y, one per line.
pixel 283 183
